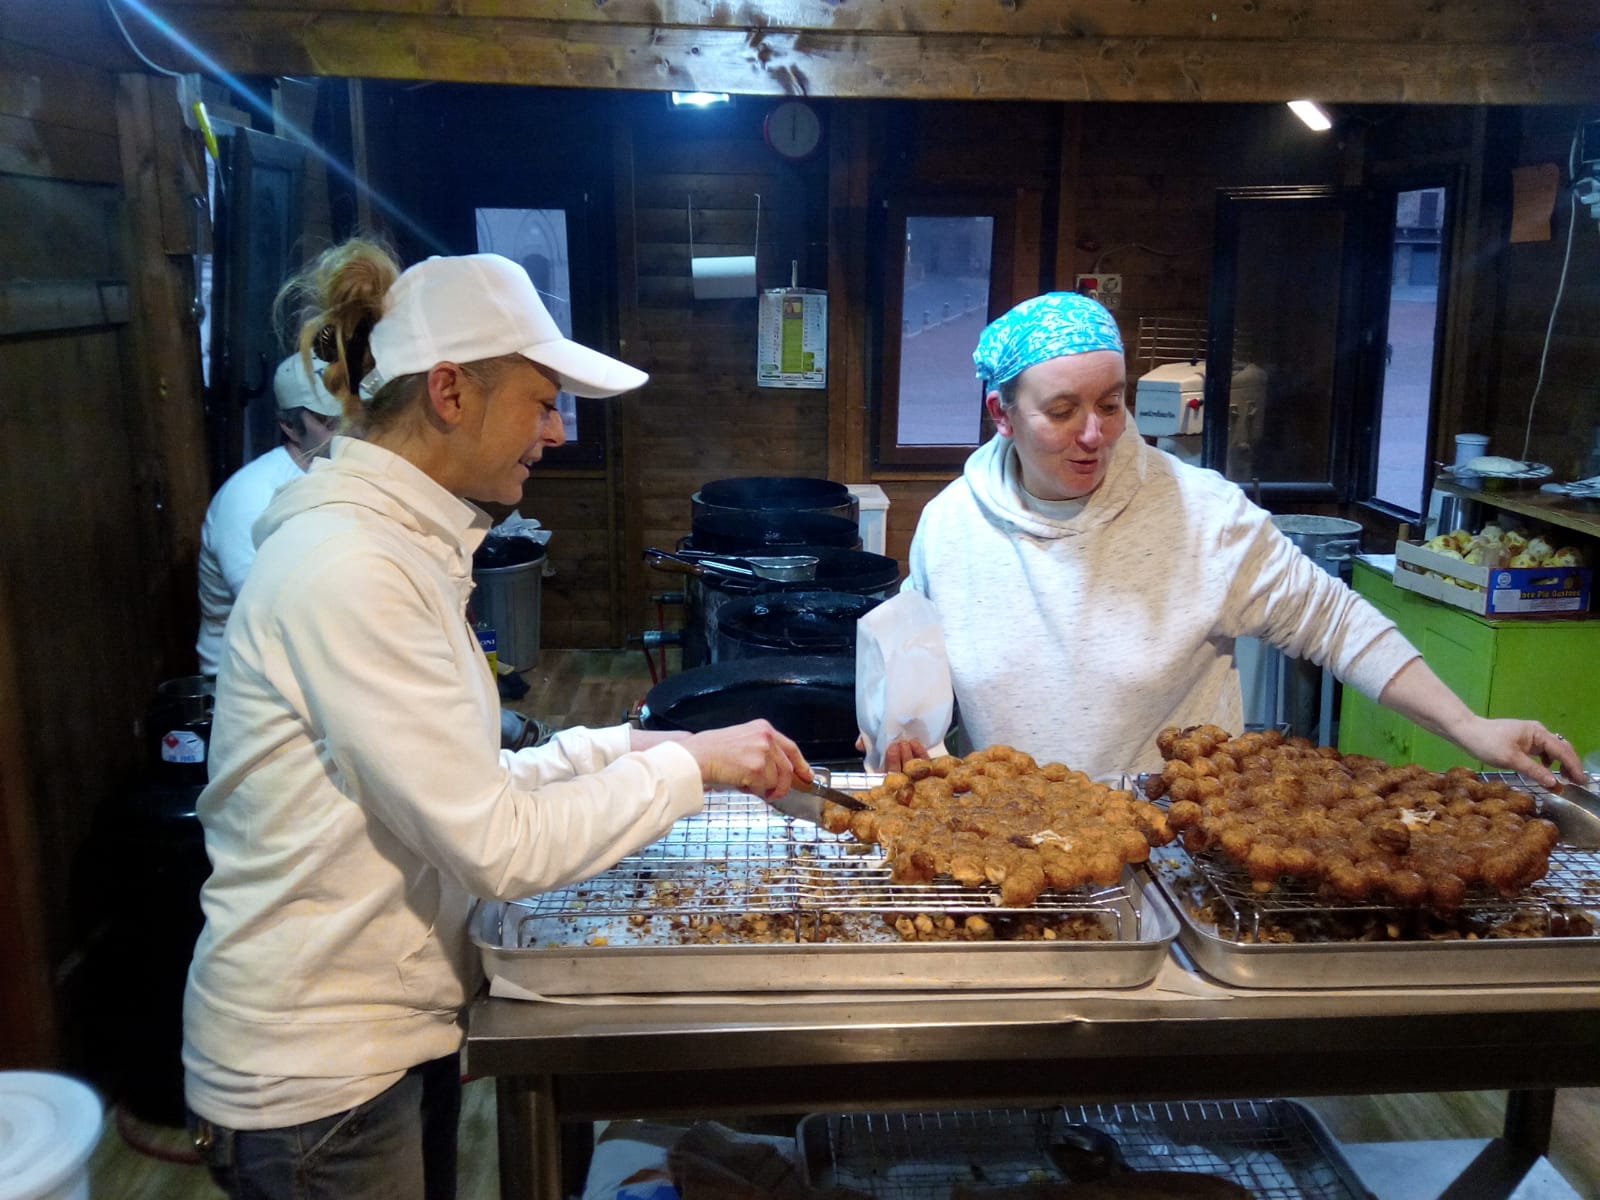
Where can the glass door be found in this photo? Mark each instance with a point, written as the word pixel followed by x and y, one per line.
pixel 1288 355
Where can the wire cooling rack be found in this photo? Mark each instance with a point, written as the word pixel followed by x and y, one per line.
pixel 739 857
pixel 1565 903
pixel 1276 1149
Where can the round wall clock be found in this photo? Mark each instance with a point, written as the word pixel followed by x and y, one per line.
pixel 793 129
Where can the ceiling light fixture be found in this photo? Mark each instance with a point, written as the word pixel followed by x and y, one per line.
pixel 699 99
pixel 1311 113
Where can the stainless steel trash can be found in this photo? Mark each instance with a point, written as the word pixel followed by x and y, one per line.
pixel 1307 701
pixel 508 576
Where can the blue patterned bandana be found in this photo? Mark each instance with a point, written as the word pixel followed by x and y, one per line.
pixel 1046 327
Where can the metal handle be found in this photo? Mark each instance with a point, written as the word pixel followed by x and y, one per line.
pixel 663 561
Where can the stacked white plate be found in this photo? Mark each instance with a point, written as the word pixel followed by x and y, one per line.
pixel 1492 466
pixel 1578 489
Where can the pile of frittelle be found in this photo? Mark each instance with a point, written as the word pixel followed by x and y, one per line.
pixel 1354 828
pixel 998 817
pixel 1285 810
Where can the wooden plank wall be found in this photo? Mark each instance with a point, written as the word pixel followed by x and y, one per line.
pixel 702 417
pixel 1146 187
pixel 98 460
pixel 69 576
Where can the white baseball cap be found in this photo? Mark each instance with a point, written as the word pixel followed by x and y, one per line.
pixel 474 307
pixel 294 387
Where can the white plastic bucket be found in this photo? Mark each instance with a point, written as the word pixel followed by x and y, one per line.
pixel 49 1126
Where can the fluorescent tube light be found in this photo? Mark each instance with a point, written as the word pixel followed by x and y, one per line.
pixel 1309 112
pixel 699 99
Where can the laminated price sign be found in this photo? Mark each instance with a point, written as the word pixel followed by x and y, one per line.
pixel 792 341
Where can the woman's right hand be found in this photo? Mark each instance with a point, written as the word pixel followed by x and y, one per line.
pixel 897 754
pixel 753 757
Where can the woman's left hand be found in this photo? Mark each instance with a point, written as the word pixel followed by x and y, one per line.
pixel 1523 746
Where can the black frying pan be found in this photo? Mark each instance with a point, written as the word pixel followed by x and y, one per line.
pixel 810 698
pixel 793 492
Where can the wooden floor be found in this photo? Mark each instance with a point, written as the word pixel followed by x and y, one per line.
pixel 598 688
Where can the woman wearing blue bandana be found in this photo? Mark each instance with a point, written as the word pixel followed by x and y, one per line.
pixel 1091 587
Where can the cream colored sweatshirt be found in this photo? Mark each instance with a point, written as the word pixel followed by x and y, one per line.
pixel 1080 639
pixel 358 795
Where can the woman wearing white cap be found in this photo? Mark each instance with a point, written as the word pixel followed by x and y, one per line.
pixel 308 417
pixel 357 795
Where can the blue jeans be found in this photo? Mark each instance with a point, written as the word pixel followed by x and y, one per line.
pixel 400 1145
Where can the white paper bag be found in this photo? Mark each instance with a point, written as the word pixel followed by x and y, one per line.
pixel 903 686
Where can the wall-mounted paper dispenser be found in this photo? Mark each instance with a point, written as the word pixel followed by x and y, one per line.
pixel 723 277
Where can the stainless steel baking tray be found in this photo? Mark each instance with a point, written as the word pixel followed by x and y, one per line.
pixel 1547 934
pixel 739 898
pixel 1277 1149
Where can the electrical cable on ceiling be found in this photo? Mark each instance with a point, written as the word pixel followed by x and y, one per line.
pixel 1561 285
pixel 1105 254
pixel 127 39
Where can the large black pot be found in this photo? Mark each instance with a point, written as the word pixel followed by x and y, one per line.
pixel 812 699
pixel 178 728
pixel 771 531
pixel 808 622
pixel 147 855
pixel 837 570
pixel 759 493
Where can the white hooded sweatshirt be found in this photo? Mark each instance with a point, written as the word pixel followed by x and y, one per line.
pixel 1079 637
pixel 358 794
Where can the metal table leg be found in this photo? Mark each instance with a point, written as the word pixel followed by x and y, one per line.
pixel 1530 1119
pixel 530 1143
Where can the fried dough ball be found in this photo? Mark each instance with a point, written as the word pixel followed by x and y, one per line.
pixel 931 792
pixel 836 818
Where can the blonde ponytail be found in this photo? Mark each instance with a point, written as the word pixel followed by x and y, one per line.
pixel 335 300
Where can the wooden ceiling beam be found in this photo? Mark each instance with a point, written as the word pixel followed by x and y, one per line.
pixel 1443 21
pixel 876 65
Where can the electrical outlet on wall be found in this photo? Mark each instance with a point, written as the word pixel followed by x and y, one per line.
pixel 1105 288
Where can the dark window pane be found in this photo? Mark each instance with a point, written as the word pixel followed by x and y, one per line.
pixel 1285 338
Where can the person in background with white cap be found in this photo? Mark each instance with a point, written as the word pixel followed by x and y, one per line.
pixel 358 797
pixel 308 417
pixel 1091 587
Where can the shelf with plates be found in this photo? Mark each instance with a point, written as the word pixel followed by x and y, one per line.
pixel 1563 511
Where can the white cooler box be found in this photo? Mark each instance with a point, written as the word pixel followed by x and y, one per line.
pixel 1170 400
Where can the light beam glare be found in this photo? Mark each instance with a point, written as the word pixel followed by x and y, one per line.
pixel 172 34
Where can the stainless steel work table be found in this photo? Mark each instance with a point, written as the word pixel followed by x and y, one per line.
pixel 558 1062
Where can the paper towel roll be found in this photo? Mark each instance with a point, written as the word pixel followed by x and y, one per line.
pixel 724 278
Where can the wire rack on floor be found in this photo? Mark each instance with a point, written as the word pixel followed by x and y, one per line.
pixel 1275 1149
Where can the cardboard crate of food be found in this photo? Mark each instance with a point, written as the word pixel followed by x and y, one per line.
pixel 1491 591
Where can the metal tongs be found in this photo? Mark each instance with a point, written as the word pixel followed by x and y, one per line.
pixel 804 800
pixel 1579 823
